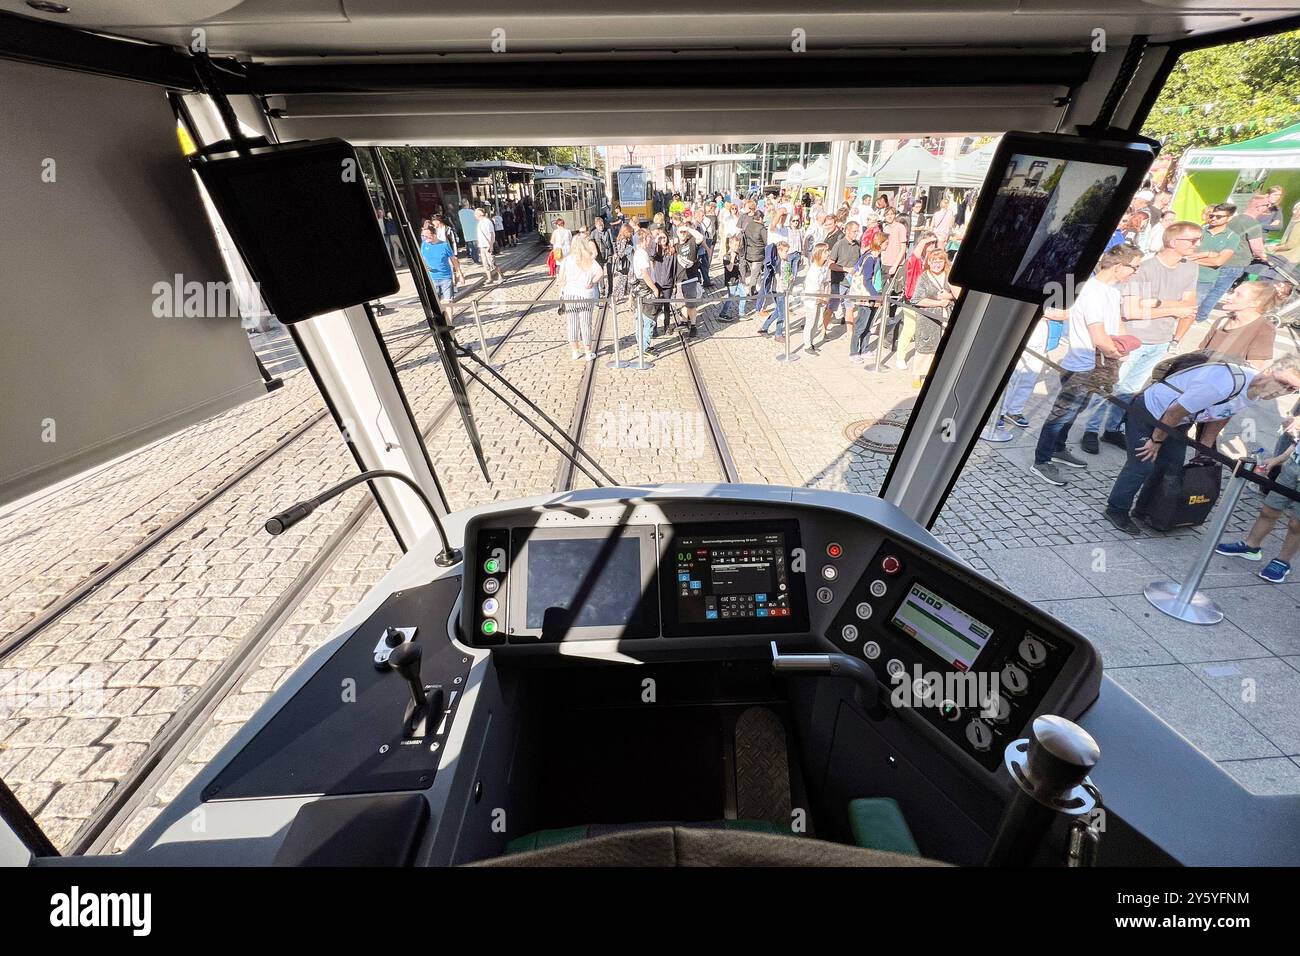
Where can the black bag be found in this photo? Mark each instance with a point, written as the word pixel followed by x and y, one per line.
pixel 1179 363
pixel 1185 497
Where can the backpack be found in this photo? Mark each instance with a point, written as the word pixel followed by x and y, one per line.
pixel 1190 360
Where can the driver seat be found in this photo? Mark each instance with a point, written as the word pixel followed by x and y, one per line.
pixel 692 846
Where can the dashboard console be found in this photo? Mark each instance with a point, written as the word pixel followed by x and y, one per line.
pixel 965 658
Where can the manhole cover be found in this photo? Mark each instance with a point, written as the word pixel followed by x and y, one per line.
pixel 880 435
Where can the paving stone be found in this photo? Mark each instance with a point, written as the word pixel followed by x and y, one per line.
pixel 1184 702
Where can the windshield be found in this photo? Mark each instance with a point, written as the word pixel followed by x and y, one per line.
pixel 802 314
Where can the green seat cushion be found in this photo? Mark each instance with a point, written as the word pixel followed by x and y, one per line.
pixel 878 824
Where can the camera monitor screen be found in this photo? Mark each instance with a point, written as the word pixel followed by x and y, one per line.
pixel 301 218
pixel 1046 211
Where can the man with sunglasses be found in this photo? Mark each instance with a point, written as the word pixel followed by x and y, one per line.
pixel 1222 256
pixel 1208 394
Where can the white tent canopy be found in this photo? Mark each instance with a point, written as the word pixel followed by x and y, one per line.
pixel 817 173
pixel 970 169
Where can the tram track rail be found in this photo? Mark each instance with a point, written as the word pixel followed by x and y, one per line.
pixel 718 446
pixel 565 475
pixel 172 744
pixel 84 589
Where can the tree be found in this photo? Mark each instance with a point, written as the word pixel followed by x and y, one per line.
pixel 1229 93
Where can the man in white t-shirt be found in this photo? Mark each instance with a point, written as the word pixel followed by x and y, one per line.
pixel 486 234
pixel 1208 394
pixel 1156 300
pixel 643 282
pixel 1092 320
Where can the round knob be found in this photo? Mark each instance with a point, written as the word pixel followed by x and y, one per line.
pixel 1061 753
pixel 1015 679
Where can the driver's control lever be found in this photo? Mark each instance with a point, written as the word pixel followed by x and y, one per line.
pixel 835 665
pixel 1050 769
pixel 426 701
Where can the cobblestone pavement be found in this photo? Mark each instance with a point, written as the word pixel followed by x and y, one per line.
pixel 80 701
pixel 536 359
pixel 87 695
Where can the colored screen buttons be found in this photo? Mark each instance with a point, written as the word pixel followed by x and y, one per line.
pixel 833 550
pixel 492 565
pixel 830 572
pixel 490 607
pixel 890 564
pixel 489 627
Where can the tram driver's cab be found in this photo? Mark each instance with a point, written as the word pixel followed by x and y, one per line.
pixel 688 673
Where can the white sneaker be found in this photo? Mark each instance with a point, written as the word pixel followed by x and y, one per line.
pixel 900 362
pixel 591 356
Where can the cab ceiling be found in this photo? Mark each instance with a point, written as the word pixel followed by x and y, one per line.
pixel 272 30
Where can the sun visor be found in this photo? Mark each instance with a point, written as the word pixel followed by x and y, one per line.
pixel 120 324
pixel 524 117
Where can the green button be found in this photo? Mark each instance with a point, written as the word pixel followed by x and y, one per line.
pixel 489 627
pixel 491 565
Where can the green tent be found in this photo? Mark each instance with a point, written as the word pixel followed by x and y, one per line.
pixel 1233 172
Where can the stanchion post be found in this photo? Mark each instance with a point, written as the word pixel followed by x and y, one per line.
pixel 482 339
pixel 640 364
pixel 1183 601
pixel 785 326
pixel 618 356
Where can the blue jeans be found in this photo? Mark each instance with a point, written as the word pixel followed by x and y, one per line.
pixel 646 313
pixel 734 302
pixel 778 314
pixel 752 275
pixel 1132 379
pixel 866 315
pixel 1142 478
pixel 1209 295
pixel 1070 401
pixel 472 246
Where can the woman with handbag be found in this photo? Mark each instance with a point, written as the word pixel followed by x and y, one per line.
pixel 935 296
pixel 580 276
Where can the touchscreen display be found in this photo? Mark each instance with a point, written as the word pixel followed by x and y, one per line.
pixel 944 628
pixel 602 579
pixel 729 577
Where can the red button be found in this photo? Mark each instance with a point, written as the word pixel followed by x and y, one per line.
pixel 890 564
pixel 834 550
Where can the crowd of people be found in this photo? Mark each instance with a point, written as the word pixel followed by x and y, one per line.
pixel 785 258
pixel 1125 369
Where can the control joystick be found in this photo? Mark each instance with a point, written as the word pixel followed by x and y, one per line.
pixel 405 659
pixel 426 701
pixel 1050 769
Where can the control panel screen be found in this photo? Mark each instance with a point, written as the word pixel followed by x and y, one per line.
pixel 601 578
pixel 726 577
pixel 733 579
pixel 942 626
